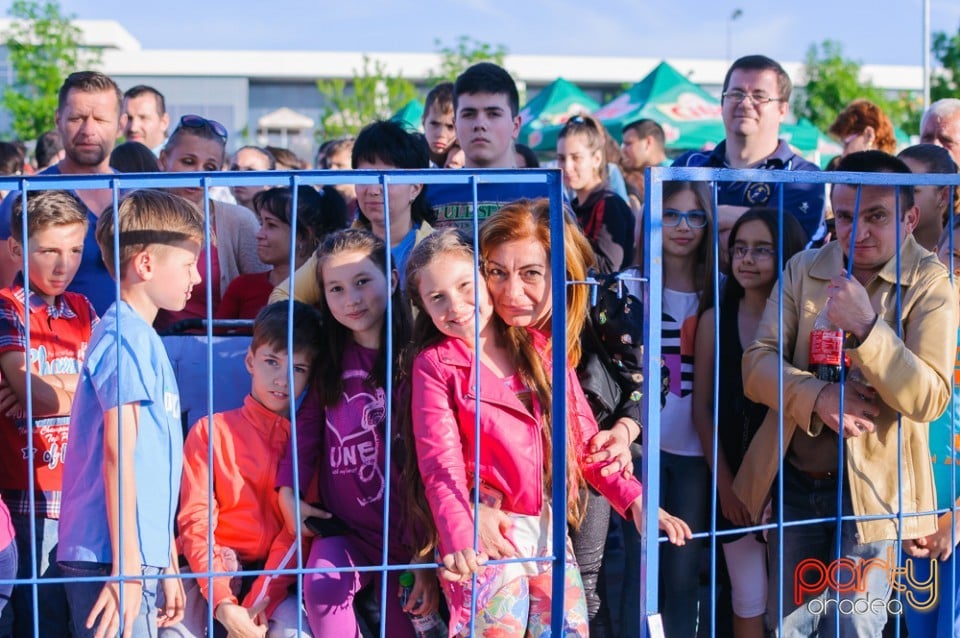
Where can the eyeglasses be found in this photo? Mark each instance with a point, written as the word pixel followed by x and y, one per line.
pixel 694 218
pixel 195 121
pixel 758 99
pixel 759 253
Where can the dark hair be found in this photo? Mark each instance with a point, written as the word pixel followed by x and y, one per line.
pixel 487 77
pixel 761 63
pixel 88 82
pixel 270 328
pixel 442 96
pixel 794 240
pixel 143 89
pixel 11 159
pixel 388 142
pixel 329 369
pixel 204 132
pixel 879 162
pixel 317 214
pixel 704 266
pixel 271 160
pixel 645 128
pixel 285 157
pixel 530 158
pixel 937 160
pixel 332 147
pixel 48 145
pixel 134 157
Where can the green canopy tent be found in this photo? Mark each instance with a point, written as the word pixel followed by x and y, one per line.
pixel 553 105
pixel 410 115
pixel 690 116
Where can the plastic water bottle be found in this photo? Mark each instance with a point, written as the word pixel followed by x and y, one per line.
pixel 428 625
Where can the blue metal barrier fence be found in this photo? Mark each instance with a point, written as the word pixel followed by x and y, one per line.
pixel 650 600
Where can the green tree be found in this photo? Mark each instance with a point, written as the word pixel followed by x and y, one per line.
pixel 833 81
pixel 375 95
pixel 44 47
pixel 946 81
pixel 455 58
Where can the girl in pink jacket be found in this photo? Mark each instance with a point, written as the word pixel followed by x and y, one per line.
pixel 514 392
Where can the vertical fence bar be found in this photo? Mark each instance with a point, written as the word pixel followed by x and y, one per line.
pixel 559 409
pixel 388 414
pixel 653 302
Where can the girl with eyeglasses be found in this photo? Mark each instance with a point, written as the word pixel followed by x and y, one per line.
pixel 604 216
pixel 752 247
pixel 684 474
pixel 199 145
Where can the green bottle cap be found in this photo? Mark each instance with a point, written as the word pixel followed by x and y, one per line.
pixel 406 579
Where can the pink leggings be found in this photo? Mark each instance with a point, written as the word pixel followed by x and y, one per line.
pixel 329 597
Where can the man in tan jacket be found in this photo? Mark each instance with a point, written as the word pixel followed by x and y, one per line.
pixel 904 367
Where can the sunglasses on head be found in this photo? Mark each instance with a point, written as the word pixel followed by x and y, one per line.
pixel 195 121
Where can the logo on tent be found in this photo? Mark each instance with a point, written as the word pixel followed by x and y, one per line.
pixel 690 106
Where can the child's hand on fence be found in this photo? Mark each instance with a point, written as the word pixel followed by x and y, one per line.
pixel 241 622
pixel 678 532
pixel 425 595
pixel 462 564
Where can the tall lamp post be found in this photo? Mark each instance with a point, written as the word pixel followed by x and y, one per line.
pixel 733 16
pixel 926 54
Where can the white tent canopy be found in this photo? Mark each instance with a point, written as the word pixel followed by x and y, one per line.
pixel 284 118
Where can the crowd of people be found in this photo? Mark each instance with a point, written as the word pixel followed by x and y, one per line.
pixel 454 339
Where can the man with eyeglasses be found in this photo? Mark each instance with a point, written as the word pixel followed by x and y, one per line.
pixel 89 119
pixel 756 95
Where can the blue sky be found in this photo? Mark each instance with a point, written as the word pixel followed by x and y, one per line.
pixel 871 31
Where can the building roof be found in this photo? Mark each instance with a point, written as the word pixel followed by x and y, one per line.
pixel 123 56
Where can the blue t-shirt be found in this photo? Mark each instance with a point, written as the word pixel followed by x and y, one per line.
pixel 804 201
pixel 401 252
pixel 143 375
pixel 453 203
pixel 945 444
pixel 92 279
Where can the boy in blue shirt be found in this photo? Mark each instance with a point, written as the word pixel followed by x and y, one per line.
pixel 126 452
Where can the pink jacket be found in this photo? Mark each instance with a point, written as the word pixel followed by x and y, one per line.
pixel 511 456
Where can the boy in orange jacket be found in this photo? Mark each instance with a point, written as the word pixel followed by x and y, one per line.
pixel 248 444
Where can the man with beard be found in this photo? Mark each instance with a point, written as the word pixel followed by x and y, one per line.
pixel 89 119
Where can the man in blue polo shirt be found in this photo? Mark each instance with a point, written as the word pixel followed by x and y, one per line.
pixel 89 118
pixel 756 95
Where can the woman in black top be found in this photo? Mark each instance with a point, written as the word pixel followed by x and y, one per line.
pixel 753 272
pixel 604 217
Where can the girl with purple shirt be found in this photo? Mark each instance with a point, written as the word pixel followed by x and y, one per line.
pixel 342 441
